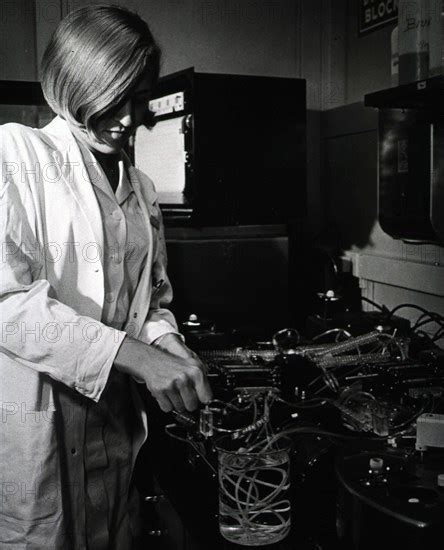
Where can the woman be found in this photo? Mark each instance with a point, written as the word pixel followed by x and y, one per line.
pixel 83 294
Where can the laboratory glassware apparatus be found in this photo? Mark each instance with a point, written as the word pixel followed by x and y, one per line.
pixel 253 473
pixel 254 491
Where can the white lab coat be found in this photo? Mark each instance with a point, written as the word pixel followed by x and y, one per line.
pixel 54 351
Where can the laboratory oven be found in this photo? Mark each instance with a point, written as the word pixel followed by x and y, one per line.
pixel 226 149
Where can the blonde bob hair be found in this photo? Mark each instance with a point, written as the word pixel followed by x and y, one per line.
pixel 94 59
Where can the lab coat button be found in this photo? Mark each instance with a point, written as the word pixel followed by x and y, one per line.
pixel 135 315
pixel 73 451
pixel 116 215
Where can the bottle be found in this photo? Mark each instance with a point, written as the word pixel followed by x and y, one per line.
pixel 435 37
pixel 413 40
pixel 394 57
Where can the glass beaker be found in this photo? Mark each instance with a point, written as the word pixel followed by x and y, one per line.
pixel 254 492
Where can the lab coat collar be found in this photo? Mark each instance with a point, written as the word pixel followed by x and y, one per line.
pixel 98 177
pixel 67 155
pixel 124 188
pixel 138 183
pixel 59 129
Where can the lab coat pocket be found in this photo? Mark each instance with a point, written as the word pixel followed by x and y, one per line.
pixel 154 215
pixel 29 471
pixel 155 230
pixel 158 282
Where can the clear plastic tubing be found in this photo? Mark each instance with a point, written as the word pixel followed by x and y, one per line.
pixel 254 499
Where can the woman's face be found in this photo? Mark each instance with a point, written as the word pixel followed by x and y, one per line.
pixel 114 130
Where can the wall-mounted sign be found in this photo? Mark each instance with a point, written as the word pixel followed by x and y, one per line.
pixel 374 14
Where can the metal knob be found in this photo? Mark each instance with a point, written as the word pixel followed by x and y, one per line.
pixel 153 498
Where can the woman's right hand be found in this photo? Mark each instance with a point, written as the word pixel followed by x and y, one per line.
pixel 177 383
